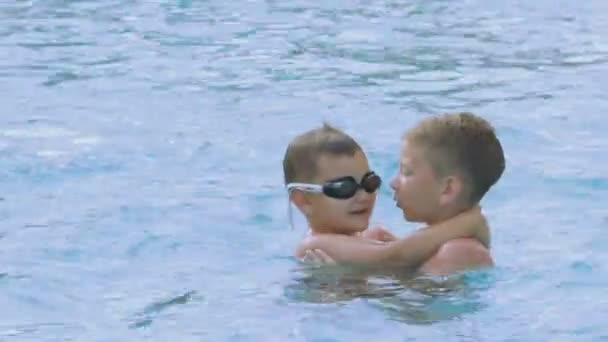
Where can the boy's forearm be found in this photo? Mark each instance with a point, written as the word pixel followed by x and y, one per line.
pixel 413 250
pixel 347 249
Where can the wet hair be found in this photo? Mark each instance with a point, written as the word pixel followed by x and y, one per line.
pixel 303 153
pixel 464 144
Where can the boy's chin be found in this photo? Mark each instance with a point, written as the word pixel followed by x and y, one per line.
pixel 358 227
pixel 410 217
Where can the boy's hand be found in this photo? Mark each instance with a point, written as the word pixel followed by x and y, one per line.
pixel 318 257
pixel 378 233
pixel 481 232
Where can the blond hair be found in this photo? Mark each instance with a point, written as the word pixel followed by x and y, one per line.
pixel 461 143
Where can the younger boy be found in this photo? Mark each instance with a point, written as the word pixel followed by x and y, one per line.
pixel 329 180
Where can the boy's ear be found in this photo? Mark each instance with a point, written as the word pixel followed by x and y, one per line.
pixel 452 188
pixel 301 201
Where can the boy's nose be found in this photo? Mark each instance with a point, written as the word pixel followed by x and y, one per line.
pixel 393 183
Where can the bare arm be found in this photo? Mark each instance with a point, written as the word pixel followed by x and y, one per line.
pixel 408 252
pixel 379 233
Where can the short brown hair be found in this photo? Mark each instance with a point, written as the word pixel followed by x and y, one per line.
pixel 463 143
pixel 304 151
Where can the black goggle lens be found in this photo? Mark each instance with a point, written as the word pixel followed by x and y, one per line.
pixel 347 187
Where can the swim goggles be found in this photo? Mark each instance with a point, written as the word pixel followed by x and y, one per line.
pixel 339 188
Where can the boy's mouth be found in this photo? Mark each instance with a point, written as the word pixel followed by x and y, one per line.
pixel 395 200
pixel 359 211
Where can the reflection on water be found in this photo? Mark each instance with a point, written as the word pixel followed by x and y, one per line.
pixel 407 298
pixel 331 284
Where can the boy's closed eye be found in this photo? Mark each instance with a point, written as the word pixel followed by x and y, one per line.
pixel 405 170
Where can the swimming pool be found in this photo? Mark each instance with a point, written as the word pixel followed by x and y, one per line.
pixel 140 165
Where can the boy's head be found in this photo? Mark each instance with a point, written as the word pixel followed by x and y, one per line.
pixel 316 167
pixel 448 163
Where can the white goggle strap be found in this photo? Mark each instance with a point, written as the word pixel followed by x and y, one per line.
pixel 299 186
pixel 304 187
pixel 290 214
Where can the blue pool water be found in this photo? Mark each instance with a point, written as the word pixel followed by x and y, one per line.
pixel 140 165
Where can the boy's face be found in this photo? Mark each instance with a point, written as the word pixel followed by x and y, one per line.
pixel 343 216
pixel 417 189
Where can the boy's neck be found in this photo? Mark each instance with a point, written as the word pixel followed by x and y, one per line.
pixel 447 214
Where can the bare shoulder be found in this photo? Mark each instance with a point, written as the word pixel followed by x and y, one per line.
pixel 457 255
pixel 465 248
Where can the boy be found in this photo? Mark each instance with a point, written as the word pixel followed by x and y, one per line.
pixel 329 180
pixel 447 164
